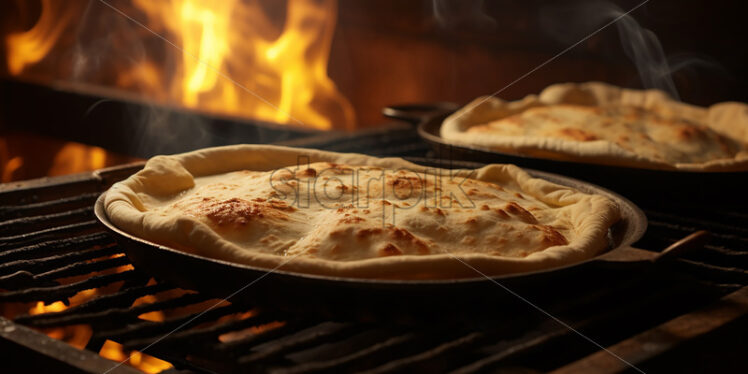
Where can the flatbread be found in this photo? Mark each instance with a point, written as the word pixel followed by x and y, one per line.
pixel 599 123
pixel 352 215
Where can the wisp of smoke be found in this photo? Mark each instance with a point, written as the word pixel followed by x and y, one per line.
pixel 573 22
pixel 451 14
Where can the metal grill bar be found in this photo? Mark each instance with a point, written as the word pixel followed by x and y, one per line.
pixel 50 235
pixel 379 351
pixel 47 234
pixel 55 246
pixel 79 313
pixel 139 332
pixel 664 337
pixel 45 221
pixel 64 291
pixel 84 200
pixel 55 261
pixel 208 335
pixel 82 268
pixel 300 340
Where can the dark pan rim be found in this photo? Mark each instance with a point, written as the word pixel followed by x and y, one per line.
pixel 428 129
pixel 632 219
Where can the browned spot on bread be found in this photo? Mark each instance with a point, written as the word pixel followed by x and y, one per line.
pixel 401 234
pixel 335 233
pixel 390 250
pixel 520 212
pixel 551 237
pixel 385 202
pixel 367 233
pixel 259 200
pixel 308 172
pixel 339 169
pixel 519 195
pixel 484 207
pixel 578 134
pixel 352 219
pixel 342 187
pixel 403 182
pixel 502 213
pixel 234 211
pixel 478 193
pixel 472 221
pixel 366 211
pixel 404 237
pixel 282 205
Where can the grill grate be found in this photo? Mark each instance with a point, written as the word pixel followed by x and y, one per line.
pixel 51 249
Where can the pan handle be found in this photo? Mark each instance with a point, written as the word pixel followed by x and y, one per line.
pixel 630 254
pixel 416 113
pixel 689 243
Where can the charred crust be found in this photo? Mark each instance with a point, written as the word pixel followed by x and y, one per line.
pixel 390 250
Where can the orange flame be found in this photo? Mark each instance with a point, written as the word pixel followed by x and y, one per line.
pixel 232 63
pixel 29 47
pixel 116 352
pixel 79 335
pixel 24 157
pixel 231 57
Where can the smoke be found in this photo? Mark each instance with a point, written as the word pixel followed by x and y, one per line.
pixel 452 14
pixel 571 23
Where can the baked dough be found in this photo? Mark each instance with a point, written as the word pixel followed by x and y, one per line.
pixel 352 215
pixel 599 123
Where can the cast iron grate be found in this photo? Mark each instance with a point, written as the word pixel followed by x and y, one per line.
pixel 51 248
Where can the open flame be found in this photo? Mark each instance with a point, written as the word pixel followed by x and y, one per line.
pixel 233 62
pixel 27 48
pixel 146 363
pixel 229 57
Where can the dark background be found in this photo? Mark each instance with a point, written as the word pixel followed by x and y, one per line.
pixel 394 51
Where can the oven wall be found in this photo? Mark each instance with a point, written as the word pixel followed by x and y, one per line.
pixel 392 51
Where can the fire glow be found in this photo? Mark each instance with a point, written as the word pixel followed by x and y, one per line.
pixel 225 57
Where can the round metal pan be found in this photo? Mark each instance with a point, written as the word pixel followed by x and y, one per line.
pixel 642 185
pixel 248 283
